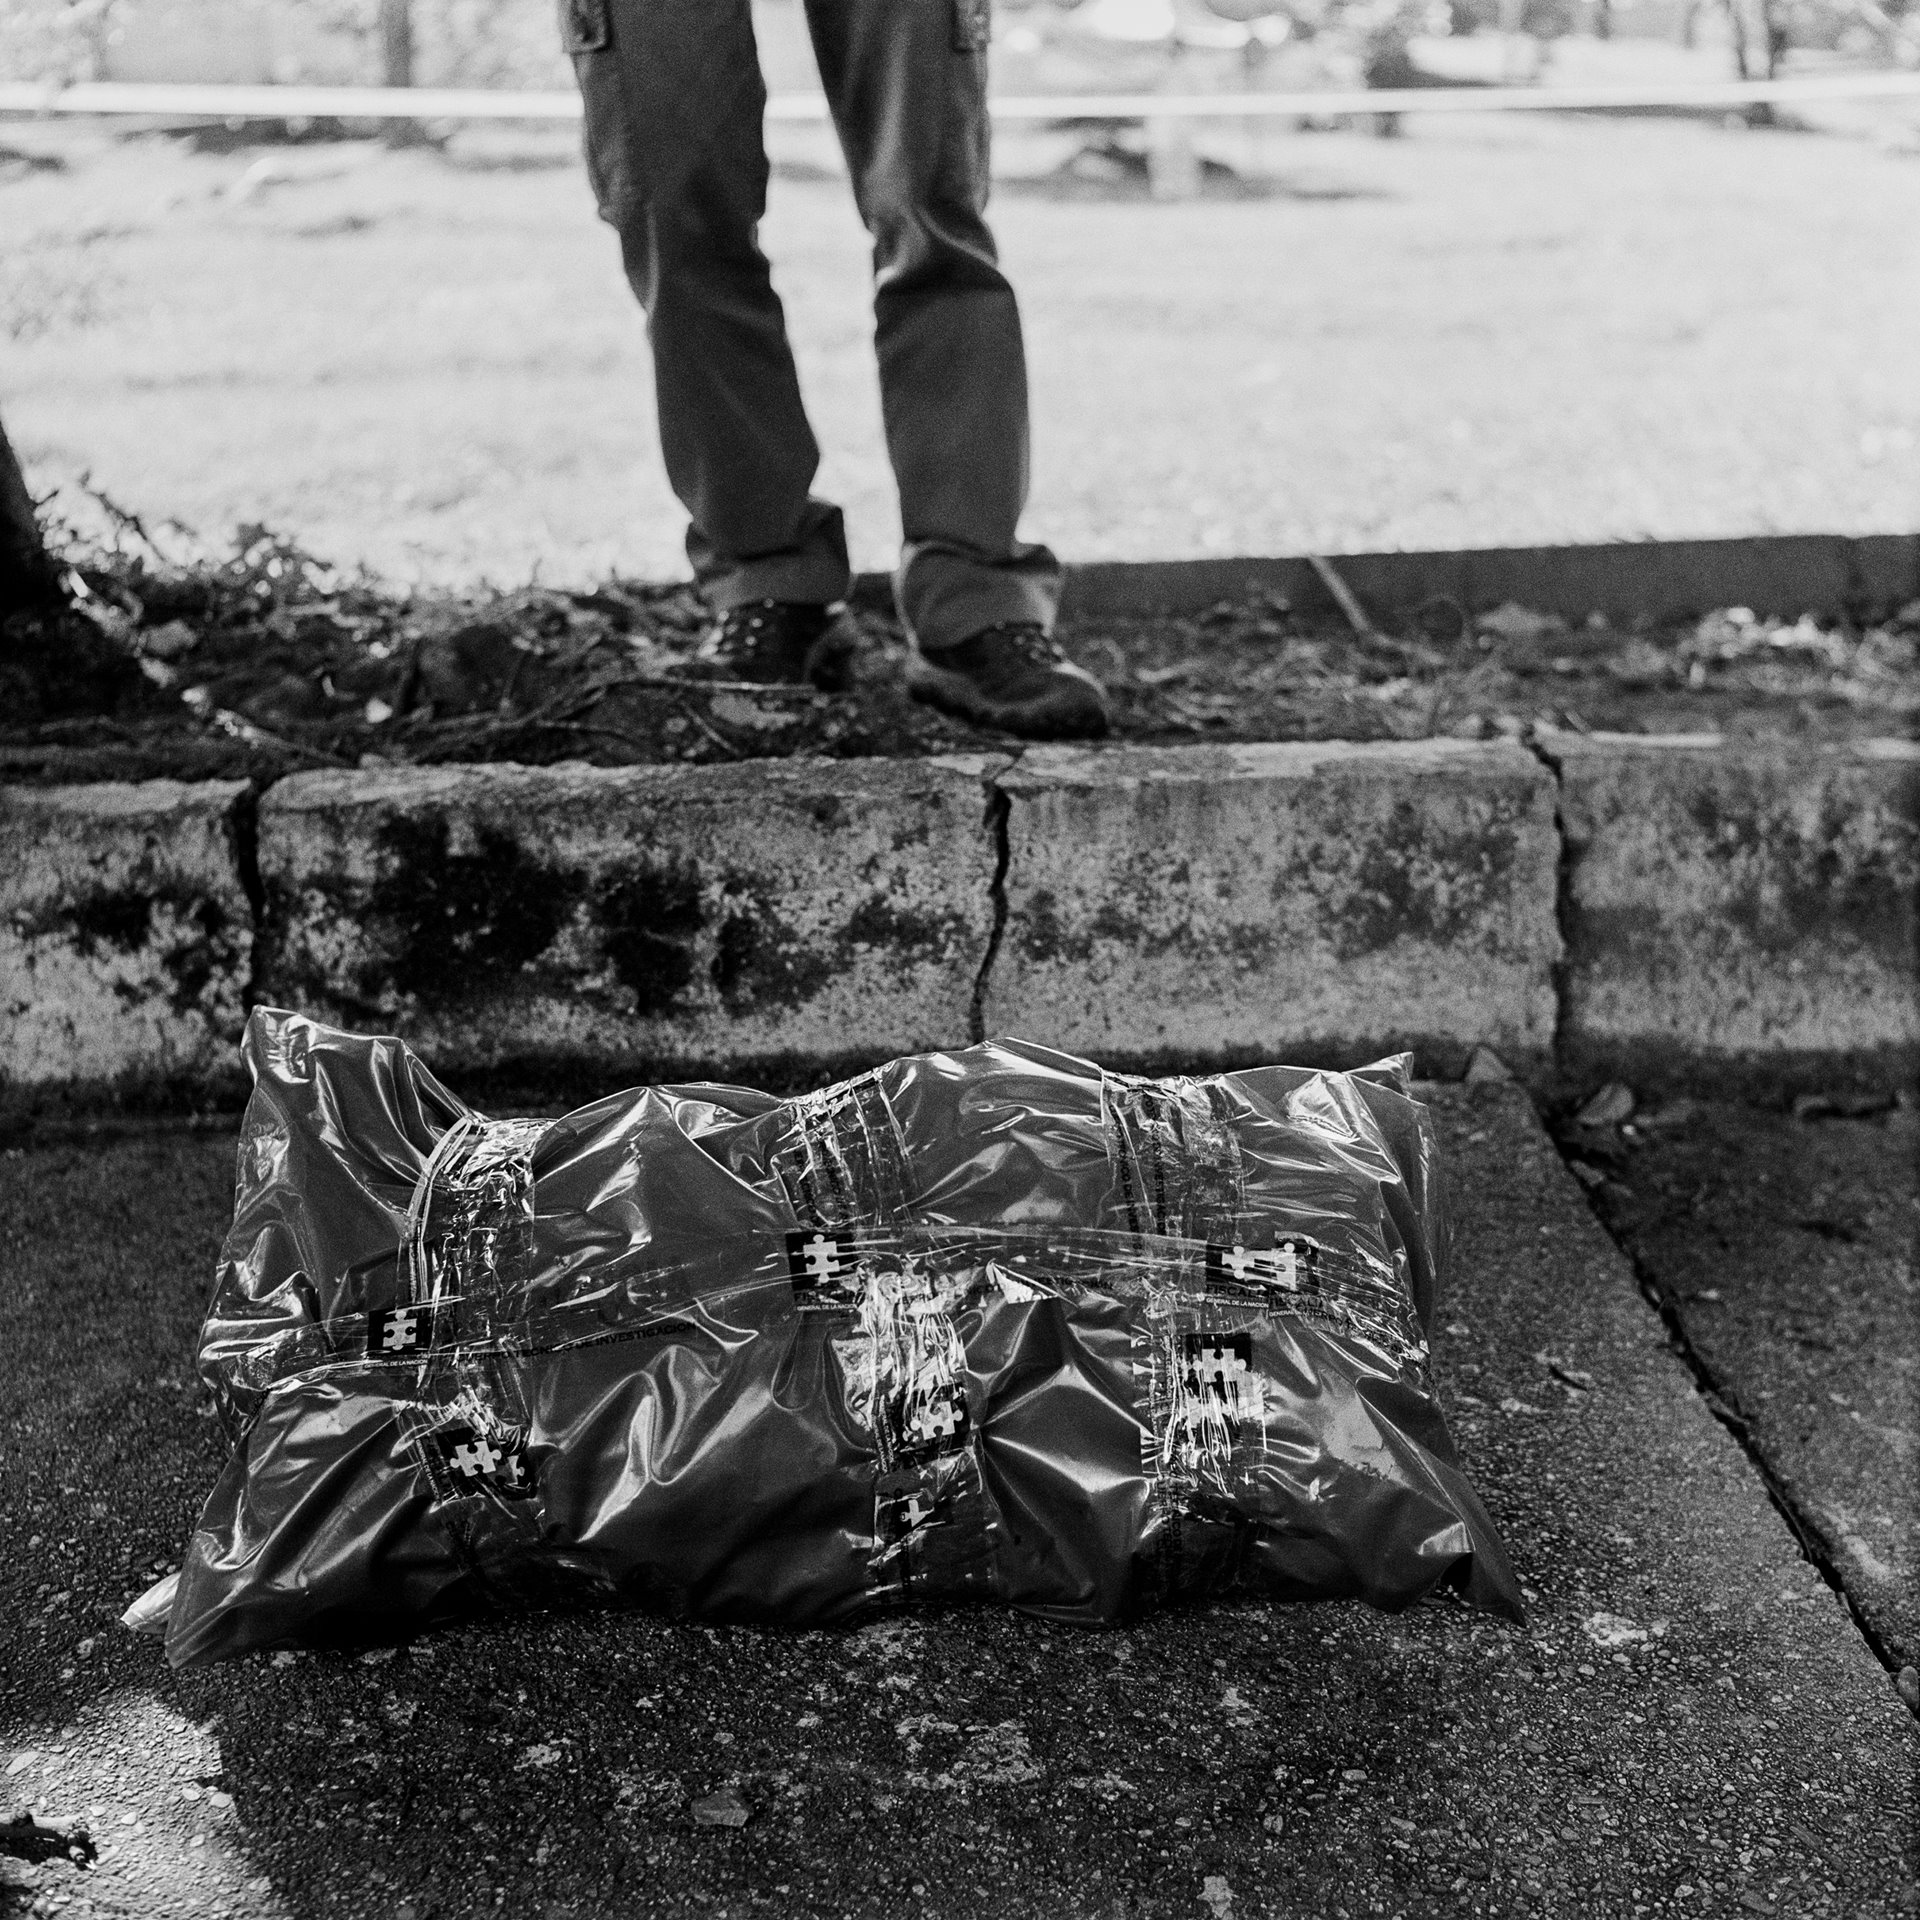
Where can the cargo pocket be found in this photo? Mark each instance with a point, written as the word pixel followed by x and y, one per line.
pixel 586 32
pixel 584 26
pixel 972 25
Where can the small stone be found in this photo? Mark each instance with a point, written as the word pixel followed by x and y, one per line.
pixel 722 1809
pixel 1483 1064
pixel 1511 621
pixel 1567 1374
pixel 1906 1683
pixel 217 1797
pixel 1611 1105
pixel 168 642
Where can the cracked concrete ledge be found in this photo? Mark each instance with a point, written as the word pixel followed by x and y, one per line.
pixel 1602 904
pixel 1316 902
pixel 126 935
pixel 1728 903
pixel 635 919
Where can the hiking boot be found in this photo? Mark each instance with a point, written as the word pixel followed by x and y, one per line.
pixel 778 643
pixel 1013 677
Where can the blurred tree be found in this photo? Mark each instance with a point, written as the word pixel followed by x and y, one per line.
pixel 436 43
pixel 1760 39
pixel 55 40
pixel 396 43
pixel 27 576
pixel 54 661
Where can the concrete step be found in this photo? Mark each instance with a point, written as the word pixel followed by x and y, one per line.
pixel 1731 913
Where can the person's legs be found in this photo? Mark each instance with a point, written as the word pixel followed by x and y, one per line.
pixel 906 81
pixel 674 100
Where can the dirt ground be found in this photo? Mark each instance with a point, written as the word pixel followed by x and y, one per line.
pixel 270 661
pixel 1494 331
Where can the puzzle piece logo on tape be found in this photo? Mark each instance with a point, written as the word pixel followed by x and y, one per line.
pixel 899 1514
pixel 939 1421
pixel 816 1260
pixel 1284 1266
pixel 476 1460
pixel 397 1333
pixel 1221 1365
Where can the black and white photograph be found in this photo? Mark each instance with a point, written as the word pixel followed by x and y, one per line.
pixel 959 959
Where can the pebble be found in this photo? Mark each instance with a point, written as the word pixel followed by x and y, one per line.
pixel 722 1809
pixel 1907 1684
pixel 1607 1108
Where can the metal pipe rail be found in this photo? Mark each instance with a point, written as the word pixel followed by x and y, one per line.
pixel 453 103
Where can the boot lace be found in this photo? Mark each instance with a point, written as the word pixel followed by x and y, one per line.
pixel 1032 644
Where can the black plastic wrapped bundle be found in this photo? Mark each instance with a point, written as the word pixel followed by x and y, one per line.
pixel 981 1325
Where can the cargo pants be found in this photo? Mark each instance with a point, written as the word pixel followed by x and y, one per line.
pixel 674 102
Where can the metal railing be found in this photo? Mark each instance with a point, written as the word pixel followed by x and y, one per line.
pixel 454 103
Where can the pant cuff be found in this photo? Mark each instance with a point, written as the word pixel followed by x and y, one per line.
pixel 946 595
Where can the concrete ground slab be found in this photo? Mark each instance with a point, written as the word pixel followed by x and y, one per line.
pixel 641 919
pixel 1302 901
pixel 1725 903
pixel 1785 1251
pixel 1691 1724
pixel 126 935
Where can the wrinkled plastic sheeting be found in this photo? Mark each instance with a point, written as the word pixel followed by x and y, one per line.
pixel 985 1325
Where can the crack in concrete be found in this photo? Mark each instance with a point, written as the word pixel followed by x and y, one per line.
pixel 1562 970
pixel 1724 1404
pixel 999 809
pixel 1720 1398
pixel 245 839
